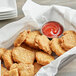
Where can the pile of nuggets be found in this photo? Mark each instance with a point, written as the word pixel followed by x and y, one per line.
pixel 32 50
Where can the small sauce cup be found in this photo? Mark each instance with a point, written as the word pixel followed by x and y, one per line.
pixel 52 29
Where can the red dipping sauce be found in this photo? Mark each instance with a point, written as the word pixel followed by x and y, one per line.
pixel 52 29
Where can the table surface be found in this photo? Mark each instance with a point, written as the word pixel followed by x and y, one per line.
pixel 68 70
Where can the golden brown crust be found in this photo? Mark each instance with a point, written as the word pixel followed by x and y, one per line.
pixel 21 55
pixel 21 38
pixel 13 66
pixel 55 46
pixel 6 73
pixel 69 32
pixel 30 40
pixel 36 67
pixel 7 58
pixel 43 58
pixel 43 43
pixel 13 72
pixel 68 41
pixel 2 50
pixel 3 70
pixel 24 69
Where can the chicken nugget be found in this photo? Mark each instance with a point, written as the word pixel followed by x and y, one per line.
pixel 3 70
pixel 43 58
pixel 68 41
pixel 43 43
pixel 55 46
pixel 30 40
pixel 7 58
pixel 21 55
pixel 36 67
pixel 24 69
pixel 21 38
pixel 13 72
pixel 2 50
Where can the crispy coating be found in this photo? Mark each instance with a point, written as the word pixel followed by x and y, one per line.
pixel 68 41
pixel 36 67
pixel 43 43
pixel 6 73
pixel 24 69
pixel 30 40
pixel 22 55
pixel 3 70
pixel 13 72
pixel 21 38
pixel 55 46
pixel 7 58
pixel 14 66
pixel 2 50
pixel 43 58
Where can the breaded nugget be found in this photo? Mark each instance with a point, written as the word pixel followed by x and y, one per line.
pixel 24 69
pixel 30 40
pixel 3 70
pixel 43 43
pixel 36 67
pixel 21 38
pixel 13 72
pixel 2 50
pixel 22 55
pixel 43 58
pixel 7 58
pixel 55 46
pixel 68 41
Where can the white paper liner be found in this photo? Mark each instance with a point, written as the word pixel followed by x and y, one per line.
pixel 36 16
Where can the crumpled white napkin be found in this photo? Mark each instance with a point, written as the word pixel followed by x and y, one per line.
pixel 35 16
pixel 42 14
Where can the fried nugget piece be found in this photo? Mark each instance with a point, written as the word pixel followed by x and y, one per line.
pixel 7 58
pixel 13 72
pixel 68 41
pixel 21 38
pixel 43 58
pixel 24 69
pixel 3 70
pixel 55 46
pixel 36 67
pixel 43 43
pixel 30 40
pixel 2 50
pixel 22 55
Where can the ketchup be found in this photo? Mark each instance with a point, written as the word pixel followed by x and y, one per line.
pixel 52 29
